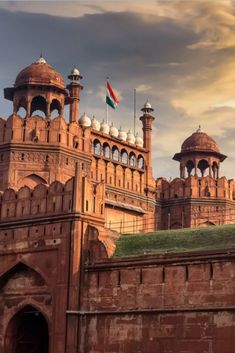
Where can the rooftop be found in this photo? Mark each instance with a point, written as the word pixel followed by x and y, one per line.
pixel 177 241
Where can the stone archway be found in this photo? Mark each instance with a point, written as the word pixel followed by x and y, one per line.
pixel 27 332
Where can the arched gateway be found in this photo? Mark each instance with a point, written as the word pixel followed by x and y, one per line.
pixel 27 332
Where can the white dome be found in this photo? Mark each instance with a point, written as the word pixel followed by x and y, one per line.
pixel 130 137
pixel 122 135
pixel 95 124
pixel 139 141
pixel 104 127
pixel 85 121
pixel 75 71
pixel 113 131
pixel 147 104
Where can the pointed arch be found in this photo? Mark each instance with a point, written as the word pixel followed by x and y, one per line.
pixel 31 181
pixel 27 331
pixel 21 266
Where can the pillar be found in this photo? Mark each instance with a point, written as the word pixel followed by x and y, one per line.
pixel 28 108
pixel 195 161
pixel 48 112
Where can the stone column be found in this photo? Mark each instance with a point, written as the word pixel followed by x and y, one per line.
pixel 48 112
pixel 195 161
pixel 28 108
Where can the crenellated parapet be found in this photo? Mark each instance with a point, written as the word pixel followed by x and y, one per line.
pixel 56 198
pixel 195 187
pixel 36 130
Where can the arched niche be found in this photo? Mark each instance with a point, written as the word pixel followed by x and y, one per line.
pixel 31 181
pixel 20 278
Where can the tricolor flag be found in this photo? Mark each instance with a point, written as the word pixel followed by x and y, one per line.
pixel 111 98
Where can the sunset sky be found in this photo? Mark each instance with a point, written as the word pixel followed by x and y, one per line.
pixel 178 54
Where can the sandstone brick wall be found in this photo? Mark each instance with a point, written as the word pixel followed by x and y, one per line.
pixel 162 304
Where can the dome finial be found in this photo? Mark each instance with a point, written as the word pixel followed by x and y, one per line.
pixel 199 129
pixel 40 60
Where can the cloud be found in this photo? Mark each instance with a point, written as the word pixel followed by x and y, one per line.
pixel 179 53
pixel 143 88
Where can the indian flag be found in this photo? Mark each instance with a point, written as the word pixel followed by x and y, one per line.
pixel 111 98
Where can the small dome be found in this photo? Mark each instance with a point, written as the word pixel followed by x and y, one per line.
pixel 199 141
pixel 104 127
pixel 139 141
pixel 130 137
pixel 95 124
pixel 147 104
pixel 113 131
pixel 39 73
pixel 85 121
pixel 122 135
pixel 75 71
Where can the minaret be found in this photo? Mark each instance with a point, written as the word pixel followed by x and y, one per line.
pixel 147 120
pixel 74 88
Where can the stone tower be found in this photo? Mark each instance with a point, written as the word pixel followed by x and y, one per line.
pixel 37 149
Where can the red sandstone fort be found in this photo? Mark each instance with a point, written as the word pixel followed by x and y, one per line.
pixel 68 190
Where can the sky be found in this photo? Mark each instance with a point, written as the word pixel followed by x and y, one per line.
pixel 179 54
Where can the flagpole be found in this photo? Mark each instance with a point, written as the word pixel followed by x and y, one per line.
pixel 107 108
pixel 134 111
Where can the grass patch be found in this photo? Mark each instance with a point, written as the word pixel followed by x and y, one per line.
pixel 178 240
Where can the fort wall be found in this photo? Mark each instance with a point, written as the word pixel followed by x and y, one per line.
pixel 160 304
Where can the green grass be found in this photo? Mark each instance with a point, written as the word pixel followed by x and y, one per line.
pixel 175 241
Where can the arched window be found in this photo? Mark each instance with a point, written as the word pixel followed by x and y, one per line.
pixel 97 147
pixel 38 106
pixel 202 166
pixel 115 153
pixel 189 167
pixel 55 108
pixel 132 159
pixel 140 162
pixel 21 107
pixel 106 150
pixel 124 157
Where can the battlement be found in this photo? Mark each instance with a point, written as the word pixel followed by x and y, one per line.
pixel 37 130
pixel 57 198
pixel 195 186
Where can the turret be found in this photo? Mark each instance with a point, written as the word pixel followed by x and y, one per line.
pixel 74 88
pixel 38 87
pixel 199 156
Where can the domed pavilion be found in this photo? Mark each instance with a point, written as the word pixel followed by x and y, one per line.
pixel 200 155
